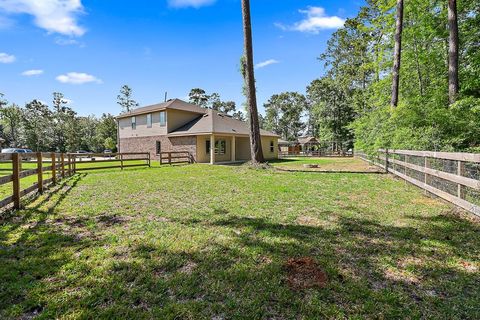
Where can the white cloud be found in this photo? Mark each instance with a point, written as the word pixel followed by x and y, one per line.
pixel 6 58
pixel 58 16
pixel 34 72
pixel 77 78
pixel 316 20
pixel 190 3
pixel 266 63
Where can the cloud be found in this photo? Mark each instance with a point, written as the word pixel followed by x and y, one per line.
pixel 34 72
pixel 316 20
pixel 56 16
pixel 266 63
pixel 6 58
pixel 77 78
pixel 190 3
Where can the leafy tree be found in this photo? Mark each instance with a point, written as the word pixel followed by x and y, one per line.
pixel 63 117
pixel 12 117
pixel 107 129
pixel 125 99
pixel 331 113
pixel 249 78
pixel 109 143
pixel 198 97
pixel 284 114
pixel 37 123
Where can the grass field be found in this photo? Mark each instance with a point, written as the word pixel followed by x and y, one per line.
pixel 213 242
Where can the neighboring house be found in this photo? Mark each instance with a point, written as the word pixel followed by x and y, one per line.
pixel 209 136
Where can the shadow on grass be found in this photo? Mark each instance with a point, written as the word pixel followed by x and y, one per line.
pixel 329 171
pixel 374 270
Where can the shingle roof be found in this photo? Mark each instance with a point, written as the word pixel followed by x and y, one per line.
pixel 208 121
pixel 217 123
pixel 172 104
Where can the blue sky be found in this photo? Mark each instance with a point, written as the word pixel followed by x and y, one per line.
pixel 87 49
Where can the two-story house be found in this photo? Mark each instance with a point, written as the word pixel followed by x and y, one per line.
pixel 209 136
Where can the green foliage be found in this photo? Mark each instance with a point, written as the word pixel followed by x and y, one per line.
pixel 40 128
pixel 212 101
pixel 359 61
pixel 284 114
pixel 109 143
pixel 125 99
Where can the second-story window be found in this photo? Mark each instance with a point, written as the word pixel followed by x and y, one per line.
pixel 163 118
pixel 149 120
pixel 134 123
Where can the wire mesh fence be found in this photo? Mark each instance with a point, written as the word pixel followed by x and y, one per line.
pixel 452 176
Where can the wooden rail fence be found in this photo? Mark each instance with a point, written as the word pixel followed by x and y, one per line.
pixel 59 166
pixel 452 176
pixel 173 157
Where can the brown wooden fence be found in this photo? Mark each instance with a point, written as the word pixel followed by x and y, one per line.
pixel 56 166
pixel 452 176
pixel 175 157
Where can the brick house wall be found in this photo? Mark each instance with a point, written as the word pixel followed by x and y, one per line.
pixel 148 144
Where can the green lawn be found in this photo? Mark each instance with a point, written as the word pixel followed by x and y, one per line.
pixel 212 242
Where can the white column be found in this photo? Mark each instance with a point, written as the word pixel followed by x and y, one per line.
pixel 233 149
pixel 212 149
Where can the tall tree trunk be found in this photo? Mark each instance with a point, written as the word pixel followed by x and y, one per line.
pixel 255 140
pixel 397 53
pixel 453 83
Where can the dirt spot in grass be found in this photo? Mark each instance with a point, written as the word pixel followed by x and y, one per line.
pixel 304 273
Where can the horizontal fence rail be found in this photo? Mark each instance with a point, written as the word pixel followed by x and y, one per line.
pixel 50 167
pixel 453 176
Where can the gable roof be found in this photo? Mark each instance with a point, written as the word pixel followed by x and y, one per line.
pixel 208 121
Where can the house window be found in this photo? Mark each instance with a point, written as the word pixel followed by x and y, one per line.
pixel 134 123
pixel 272 146
pixel 158 147
pixel 220 146
pixel 149 120
pixel 163 118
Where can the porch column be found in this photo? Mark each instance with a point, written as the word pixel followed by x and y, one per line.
pixel 212 149
pixel 233 149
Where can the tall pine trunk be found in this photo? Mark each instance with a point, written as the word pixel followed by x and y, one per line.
pixel 255 140
pixel 453 83
pixel 397 53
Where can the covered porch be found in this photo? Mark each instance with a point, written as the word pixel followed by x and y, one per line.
pixel 219 148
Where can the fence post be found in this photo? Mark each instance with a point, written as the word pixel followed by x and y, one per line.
pixel 386 160
pixel 461 172
pixel 69 171
pixel 63 165
pixel 170 158
pixel 39 172
pixel 121 161
pixel 54 170
pixel 149 164
pixel 16 166
pixel 426 165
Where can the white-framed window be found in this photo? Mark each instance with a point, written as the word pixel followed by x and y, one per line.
pixel 149 120
pixel 134 123
pixel 163 118
pixel 272 146
pixel 220 146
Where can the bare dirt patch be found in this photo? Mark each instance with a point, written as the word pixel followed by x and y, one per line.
pixel 304 273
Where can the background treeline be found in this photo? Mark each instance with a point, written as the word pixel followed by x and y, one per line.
pixel 40 127
pixel 352 101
